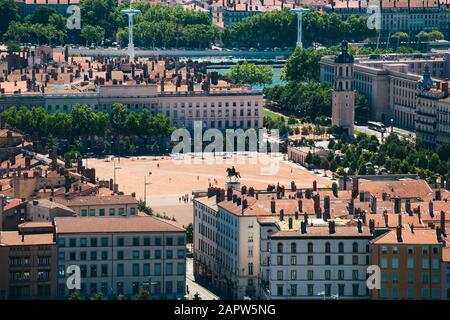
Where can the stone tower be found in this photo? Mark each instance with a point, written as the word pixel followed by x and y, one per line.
pixel 343 108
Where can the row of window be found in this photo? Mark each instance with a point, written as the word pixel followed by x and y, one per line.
pixel 121 241
pixel 135 255
pixel 137 270
pixel 327 247
pixel 111 211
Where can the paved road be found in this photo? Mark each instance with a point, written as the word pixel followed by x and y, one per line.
pixel 194 287
pixel 401 132
pixel 182 53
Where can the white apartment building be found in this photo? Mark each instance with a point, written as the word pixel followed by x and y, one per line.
pixel 226 247
pixel 101 206
pixel 122 255
pixel 389 82
pixel 324 262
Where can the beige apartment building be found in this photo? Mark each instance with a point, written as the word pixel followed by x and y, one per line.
pixel 101 206
pixel 122 256
pixel 218 108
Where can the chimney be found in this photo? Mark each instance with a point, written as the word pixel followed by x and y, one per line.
pixel 272 205
pixel 437 195
pixel 397 204
pixel 430 208
pixel 400 224
pixel 373 204
pixel 443 223
pixel 296 215
pixel 282 215
pixel 229 194
pixel 419 215
pixel 238 201
pixel 334 187
pixel 290 223
pixel 331 227
pixel 234 197
pixel 351 206
pixel 386 219
pixel 355 190
pixel 300 205
pixel 439 234
pixel 411 226
pixel 359 226
pixel 326 206
pixel 371 226
pixel 244 204
pixel 67 183
pixel 303 227
pixel 408 206
pixel 316 200
pixel 399 233
pixel 314 185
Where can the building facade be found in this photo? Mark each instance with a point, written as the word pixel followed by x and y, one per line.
pixel 343 98
pixel 101 206
pixel 321 262
pixel 410 262
pixel 28 266
pixel 122 256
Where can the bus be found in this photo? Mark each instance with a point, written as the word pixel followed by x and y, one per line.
pixel 377 126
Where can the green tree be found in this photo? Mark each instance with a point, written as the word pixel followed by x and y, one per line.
pixel 250 73
pixel 434 162
pixel 189 233
pixel 9 12
pixel 399 37
pixel 303 64
pixel 92 34
pixel 143 295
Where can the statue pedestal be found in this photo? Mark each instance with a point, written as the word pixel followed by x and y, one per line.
pixel 236 185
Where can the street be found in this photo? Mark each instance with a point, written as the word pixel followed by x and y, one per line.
pixel 193 286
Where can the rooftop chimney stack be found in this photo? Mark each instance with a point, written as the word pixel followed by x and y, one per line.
pixel 282 215
pixel 359 226
pixel 386 219
pixel 408 206
pixel 300 205
pixel 272 205
pixel 373 204
pixel 399 234
pixel 355 189
pixel 331 227
pixel 437 195
pixel 443 223
pixel 290 223
pixel 314 185
pixel 334 187
pixel 371 226
pixel 397 205
pixel 430 208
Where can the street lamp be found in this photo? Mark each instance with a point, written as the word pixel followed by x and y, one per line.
pixel 115 168
pixel 299 12
pixel 145 189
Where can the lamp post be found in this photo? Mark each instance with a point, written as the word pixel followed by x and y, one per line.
pixel 115 168
pixel 130 13
pixel 145 189
pixel 299 12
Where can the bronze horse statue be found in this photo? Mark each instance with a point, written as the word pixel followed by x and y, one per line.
pixel 233 173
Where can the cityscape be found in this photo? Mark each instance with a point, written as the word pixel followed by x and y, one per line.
pixel 231 150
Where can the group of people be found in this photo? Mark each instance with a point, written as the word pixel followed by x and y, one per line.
pixel 185 198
